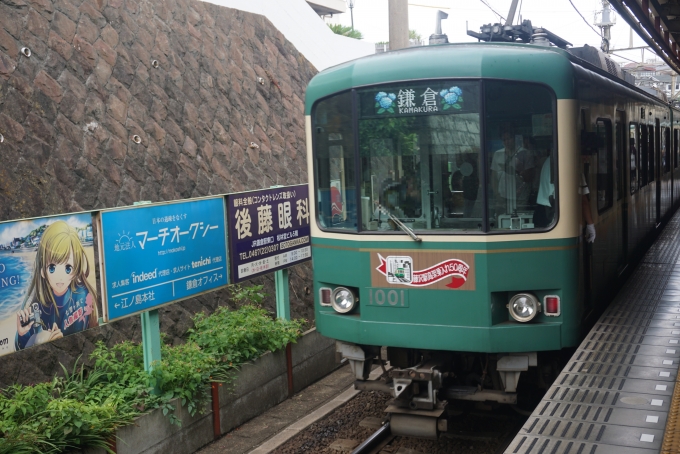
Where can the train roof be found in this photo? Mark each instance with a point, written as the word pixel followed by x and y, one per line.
pixel 551 66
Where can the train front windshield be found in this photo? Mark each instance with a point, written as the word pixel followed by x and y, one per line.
pixel 436 155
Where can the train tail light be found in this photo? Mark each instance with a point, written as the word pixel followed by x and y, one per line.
pixel 551 305
pixel 325 296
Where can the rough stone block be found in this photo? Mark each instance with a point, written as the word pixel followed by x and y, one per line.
pixel 49 86
pixel 91 10
pixel 68 8
pixel 64 26
pixel 12 130
pixel 87 30
pixel 56 43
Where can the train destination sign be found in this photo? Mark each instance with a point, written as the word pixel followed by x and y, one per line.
pixel 162 253
pixel 418 98
pixel 268 230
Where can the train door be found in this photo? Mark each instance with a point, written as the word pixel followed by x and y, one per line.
pixel 656 170
pixel 587 254
pixel 622 160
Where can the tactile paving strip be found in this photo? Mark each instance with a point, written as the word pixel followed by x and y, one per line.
pixel 618 392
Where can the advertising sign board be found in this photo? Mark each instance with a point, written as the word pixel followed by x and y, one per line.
pixel 162 253
pixel 269 230
pixel 47 280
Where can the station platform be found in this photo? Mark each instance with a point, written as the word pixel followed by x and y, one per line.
pixel 619 392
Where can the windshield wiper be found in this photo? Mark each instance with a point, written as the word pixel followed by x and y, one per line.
pixel 399 224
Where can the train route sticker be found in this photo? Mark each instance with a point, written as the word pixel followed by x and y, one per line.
pixel 400 270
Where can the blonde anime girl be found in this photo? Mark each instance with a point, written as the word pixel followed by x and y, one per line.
pixel 60 301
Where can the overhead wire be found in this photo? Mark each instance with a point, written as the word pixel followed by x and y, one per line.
pixel 620 56
pixel 494 11
pixel 584 19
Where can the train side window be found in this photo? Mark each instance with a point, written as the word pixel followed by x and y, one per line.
pixel 675 148
pixel 634 155
pixel 666 157
pixel 651 154
pixel 605 180
pixel 335 163
pixel 644 161
pixel 620 155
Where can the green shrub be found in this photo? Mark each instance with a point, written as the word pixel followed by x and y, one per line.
pixel 84 408
pixel 236 337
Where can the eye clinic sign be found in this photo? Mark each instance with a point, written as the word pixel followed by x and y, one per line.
pixel 268 230
pixel 162 253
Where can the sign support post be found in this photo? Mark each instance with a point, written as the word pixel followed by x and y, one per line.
pixel 283 311
pixel 282 294
pixel 282 289
pixel 151 333
pixel 151 338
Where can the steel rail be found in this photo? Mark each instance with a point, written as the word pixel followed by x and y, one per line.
pixel 375 439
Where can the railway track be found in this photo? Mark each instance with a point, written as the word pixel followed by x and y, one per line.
pixel 358 427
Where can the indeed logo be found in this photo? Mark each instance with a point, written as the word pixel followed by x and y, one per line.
pixel 201 262
pixel 144 276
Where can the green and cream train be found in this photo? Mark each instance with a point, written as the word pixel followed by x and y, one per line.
pixel 449 223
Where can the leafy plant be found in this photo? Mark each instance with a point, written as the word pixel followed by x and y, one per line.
pixel 85 407
pixel 75 410
pixel 345 30
pixel 236 337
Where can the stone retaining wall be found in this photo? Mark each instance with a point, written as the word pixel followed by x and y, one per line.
pixel 69 111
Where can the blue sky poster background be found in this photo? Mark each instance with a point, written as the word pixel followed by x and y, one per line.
pixel 18 244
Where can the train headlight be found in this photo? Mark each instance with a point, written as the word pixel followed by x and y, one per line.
pixel 343 300
pixel 523 307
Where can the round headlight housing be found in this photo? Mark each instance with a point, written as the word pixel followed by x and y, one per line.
pixel 523 307
pixel 343 300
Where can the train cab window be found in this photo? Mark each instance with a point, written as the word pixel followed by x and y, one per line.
pixel 335 163
pixel 419 148
pixel 605 180
pixel 634 150
pixel 519 143
pixel 417 156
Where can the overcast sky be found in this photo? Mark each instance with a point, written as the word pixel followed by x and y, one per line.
pixel 558 16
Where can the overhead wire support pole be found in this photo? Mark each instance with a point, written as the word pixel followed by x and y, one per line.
pixel 511 13
pixel 351 12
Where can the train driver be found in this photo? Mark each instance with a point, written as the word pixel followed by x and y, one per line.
pixel 511 165
pixel 545 202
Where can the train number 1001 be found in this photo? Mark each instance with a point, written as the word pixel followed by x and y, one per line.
pixel 387 297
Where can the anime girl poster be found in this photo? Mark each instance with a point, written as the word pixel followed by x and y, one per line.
pixel 47 280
